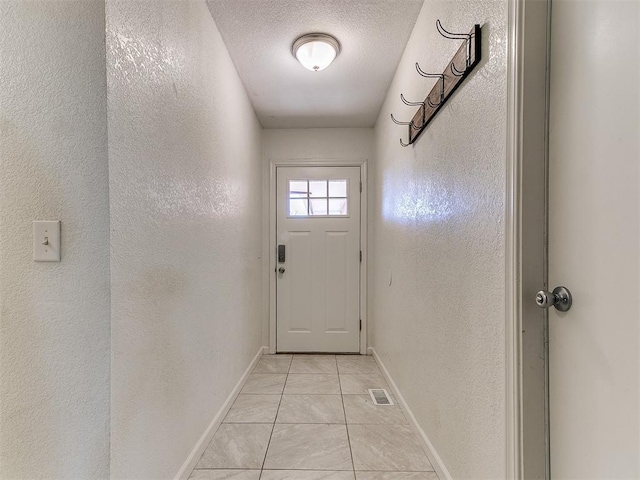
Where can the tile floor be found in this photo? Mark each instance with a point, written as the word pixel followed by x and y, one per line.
pixel 310 417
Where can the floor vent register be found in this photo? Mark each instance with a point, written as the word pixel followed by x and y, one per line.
pixel 380 396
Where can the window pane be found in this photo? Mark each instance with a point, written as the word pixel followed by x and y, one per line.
pixel 318 188
pixel 298 189
pixel 337 188
pixel 298 207
pixel 318 206
pixel 338 206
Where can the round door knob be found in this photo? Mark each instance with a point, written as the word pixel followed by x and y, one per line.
pixel 281 270
pixel 545 299
pixel 559 298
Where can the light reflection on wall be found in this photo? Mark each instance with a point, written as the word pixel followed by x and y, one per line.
pixel 221 198
pixel 416 201
pixel 134 56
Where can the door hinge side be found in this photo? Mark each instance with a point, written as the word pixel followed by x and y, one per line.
pixel 360 187
pixel 360 256
pixel 360 324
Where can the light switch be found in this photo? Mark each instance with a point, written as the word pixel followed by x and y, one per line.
pixel 46 241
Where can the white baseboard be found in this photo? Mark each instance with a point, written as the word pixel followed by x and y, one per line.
pixel 203 443
pixel 427 446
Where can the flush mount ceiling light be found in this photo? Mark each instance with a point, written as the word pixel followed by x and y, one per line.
pixel 316 51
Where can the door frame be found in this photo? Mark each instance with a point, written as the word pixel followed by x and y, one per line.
pixel 317 162
pixel 526 176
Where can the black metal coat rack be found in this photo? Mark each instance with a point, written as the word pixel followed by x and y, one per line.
pixel 459 68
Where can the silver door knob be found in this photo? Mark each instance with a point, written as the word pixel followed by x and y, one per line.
pixel 281 270
pixel 559 298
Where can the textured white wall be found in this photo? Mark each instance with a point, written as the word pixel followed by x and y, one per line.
pixel 318 143
pixel 339 144
pixel 54 317
pixel 439 239
pixel 185 190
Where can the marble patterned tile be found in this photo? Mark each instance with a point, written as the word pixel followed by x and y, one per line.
pixel 309 383
pixel 360 364
pixel 361 383
pixel 360 409
pixel 259 383
pixel 313 364
pixel 273 364
pixel 237 446
pixel 396 476
pixel 309 447
pixel 387 448
pixel 253 409
pixel 225 475
pixel 305 475
pixel 311 409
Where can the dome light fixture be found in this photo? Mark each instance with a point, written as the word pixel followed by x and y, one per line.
pixel 316 51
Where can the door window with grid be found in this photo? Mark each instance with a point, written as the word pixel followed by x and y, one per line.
pixel 318 198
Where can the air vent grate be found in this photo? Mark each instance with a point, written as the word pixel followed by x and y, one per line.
pixel 380 396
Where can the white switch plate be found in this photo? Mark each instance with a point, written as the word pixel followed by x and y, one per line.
pixel 46 241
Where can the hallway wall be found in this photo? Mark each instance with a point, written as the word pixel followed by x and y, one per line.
pixel 438 293
pixel 185 190
pixel 54 317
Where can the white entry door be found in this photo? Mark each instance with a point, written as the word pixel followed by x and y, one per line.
pixel 318 264
pixel 594 214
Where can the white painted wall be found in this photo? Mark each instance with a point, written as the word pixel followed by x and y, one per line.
pixel 340 144
pixel 54 317
pixel 438 293
pixel 343 145
pixel 185 191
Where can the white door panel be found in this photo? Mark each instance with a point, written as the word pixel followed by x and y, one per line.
pixel 336 277
pixel 318 291
pixel 295 285
pixel 594 211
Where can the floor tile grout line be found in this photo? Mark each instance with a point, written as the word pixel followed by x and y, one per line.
pixel 275 419
pixel 346 425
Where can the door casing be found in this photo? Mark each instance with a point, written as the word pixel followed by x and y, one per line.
pixel 526 332
pixel 273 165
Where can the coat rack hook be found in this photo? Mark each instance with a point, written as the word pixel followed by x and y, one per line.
pixel 410 104
pixel 451 35
pixel 429 75
pixel 456 36
pixel 433 105
pixel 440 77
pixel 423 108
pixel 457 72
pixel 410 124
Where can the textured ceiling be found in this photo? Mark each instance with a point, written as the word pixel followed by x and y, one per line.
pixel 349 93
